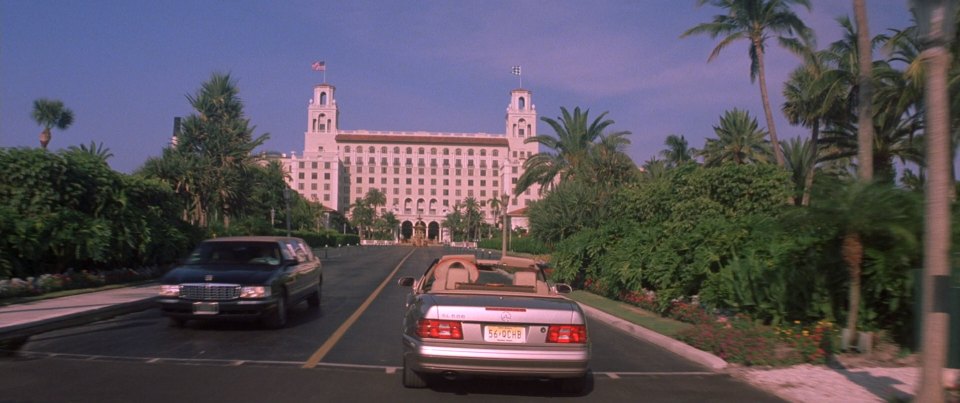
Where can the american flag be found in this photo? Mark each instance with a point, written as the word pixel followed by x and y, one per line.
pixel 516 70
pixel 319 66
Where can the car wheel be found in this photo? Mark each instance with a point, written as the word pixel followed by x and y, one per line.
pixel 314 299
pixel 411 378
pixel 278 318
pixel 177 322
pixel 576 385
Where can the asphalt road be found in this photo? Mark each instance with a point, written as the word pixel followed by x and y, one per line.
pixel 140 357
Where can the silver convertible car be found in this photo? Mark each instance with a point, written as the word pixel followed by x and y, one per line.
pixel 492 318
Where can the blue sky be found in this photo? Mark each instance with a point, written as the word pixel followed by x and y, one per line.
pixel 125 67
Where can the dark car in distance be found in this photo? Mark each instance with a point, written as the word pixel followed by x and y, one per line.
pixel 242 278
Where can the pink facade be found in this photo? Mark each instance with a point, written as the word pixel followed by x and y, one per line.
pixel 422 174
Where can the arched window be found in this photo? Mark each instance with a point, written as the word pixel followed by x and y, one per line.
pixel 446 151
pixel 458 152
pixel 420 151
pixel 346 149
pixel 523 128
pixel 496 153
pixel 409 150
pixel 470 152
pixel 483 152
pixel 396 150
pixel 323 98
pixel 523 103
pixel 383 150
pixel 359 150
pixel 371 150
pixel 433 151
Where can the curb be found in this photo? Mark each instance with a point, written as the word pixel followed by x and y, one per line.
pixel 679 348
pixel 26 330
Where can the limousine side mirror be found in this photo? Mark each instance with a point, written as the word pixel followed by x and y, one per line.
pixel 564 288
pixel 405 281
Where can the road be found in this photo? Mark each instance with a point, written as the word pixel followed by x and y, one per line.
pixel 347 350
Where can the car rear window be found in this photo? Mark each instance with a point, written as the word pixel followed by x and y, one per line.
pixel 234 253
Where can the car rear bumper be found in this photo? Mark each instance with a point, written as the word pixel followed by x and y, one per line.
pixel 566 361
pixel 227 310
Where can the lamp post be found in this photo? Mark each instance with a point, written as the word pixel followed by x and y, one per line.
pixel 935 22
pixel 504 198
pixel 286 197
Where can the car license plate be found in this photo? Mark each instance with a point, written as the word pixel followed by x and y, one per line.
pixel 505 334
pixel 206 308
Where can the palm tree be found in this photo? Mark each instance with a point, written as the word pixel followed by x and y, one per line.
pixel 801 160
pixel 96 150
pixel 678 150
pixel 858 210
pixel 375 198
pixel 739 140
pixel 50 114
pixel 755 20
pixel 654 169
pixel 568 150
pixel 864 104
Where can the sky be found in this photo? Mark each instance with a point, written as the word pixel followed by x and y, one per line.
pixel 126 67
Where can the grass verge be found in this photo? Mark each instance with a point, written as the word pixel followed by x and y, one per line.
pixel 665 326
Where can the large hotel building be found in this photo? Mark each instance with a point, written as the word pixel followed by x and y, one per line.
pixel 422 174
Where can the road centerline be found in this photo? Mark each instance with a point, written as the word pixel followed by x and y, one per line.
pixel 338 334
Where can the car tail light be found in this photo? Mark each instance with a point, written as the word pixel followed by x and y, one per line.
pixel 567 334
pixel 439 329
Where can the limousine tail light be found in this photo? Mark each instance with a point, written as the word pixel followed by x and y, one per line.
pixel 565 334
pixel 439 329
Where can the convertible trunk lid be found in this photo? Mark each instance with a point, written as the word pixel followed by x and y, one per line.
pixel 502 309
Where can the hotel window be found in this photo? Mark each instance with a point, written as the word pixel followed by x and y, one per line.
pixel 383 170
pixel 483 152
pixel 313 186
pixel 483 193
pixel 396 161
pixel 446 182
pixel 433 171
pixel 326 165
pixel 300 175
pixel 433 192
pixel 383 161
pixel 420 151
pixel 420 181
pixel 396 191
pixel 359 180
pixel 326 197
pixel 371 170
pixel 326 186
pixel 469 172
pixel 371 150
pixel 470 152
pixel 483 172
pixel 396 170
pixel 359 150
pixel 359 170
pixel 458 152
pixel 419 162
pixel 470 183
pixel 446 172
pixel 433 151
pixel 496 153
pixel 433 182
pixel 302 165
pixel 496 164
pixel 383 150
pixel 446 151
pixel 371 180
pixel 483 183
pixel 300 186
pixel 409 171
pixel 446 162
pixel 396 181
pixel 496 183
pixel 514 169
pixel 457 193
pixel 409 150
pixel 359 160
pixel 409 161
pixel 420 171
pixel 409 191
pixel 326 175
pixel 420 192
pixel 396 150
pixel 346 149
pixel 409 181
pixel 313 165
pixel 469 192
pixel 445 202
pixel 313 175
pixel 383 181
pixel 459 172
pixel 458 182
pixel 359 192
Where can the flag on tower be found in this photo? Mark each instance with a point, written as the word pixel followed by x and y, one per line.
pixel 516 70
pixel 319 66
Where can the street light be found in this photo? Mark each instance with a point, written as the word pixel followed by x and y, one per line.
pixel 504 198
pixel 286 197
pixel 935 22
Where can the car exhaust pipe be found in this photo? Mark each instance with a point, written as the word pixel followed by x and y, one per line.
pixel 449 375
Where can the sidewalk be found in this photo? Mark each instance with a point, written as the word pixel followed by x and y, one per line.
pixel 802 383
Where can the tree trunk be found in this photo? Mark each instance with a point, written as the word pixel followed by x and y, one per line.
pixel 768 113
pixel 864 104
pixel 853 256
pixel 936 254
pixel 808 180
pixel 45 138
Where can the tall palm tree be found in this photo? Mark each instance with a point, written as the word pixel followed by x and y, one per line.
pixel 375 198
pixel 678 151
pixel 51 114
pixel 568 150
pixel 865 101
pixel 739 140
pixel 801 160
pixel 654 169
pixel 755 21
